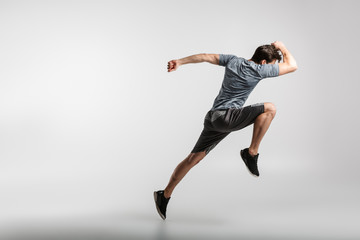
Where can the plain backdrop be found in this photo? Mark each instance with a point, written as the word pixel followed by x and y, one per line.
pixel 91 122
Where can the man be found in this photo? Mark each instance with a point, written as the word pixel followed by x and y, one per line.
pixel 228 114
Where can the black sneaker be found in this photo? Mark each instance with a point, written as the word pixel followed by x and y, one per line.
pixel 161 202
pixel 250 161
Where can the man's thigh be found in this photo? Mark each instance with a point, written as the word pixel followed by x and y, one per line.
pixel 208 140
pixel 243 117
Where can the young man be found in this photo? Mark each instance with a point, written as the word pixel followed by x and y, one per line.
pixel 228 114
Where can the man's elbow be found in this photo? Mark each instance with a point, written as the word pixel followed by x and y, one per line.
pixel 295 67
pixel 212 58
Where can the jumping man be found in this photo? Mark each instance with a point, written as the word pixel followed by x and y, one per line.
pixel 228 114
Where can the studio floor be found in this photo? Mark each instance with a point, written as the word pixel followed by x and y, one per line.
pixel 329 214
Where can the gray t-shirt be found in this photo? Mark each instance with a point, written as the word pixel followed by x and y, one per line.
pixel 241 77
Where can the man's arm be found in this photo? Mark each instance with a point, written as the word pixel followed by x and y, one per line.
pixel 198 58
pixel 289 64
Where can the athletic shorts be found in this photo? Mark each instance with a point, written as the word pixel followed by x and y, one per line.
pixel 219 123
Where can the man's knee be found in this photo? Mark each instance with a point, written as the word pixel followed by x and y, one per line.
pixel 270 108
pixel 195 158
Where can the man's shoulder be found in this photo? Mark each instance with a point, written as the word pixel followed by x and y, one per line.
pixel 235 59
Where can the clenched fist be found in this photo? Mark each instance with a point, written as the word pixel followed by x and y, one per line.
pixel 278 45
pixel 173 65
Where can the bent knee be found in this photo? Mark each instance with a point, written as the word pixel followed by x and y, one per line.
pixel 195 158
pixel 270 108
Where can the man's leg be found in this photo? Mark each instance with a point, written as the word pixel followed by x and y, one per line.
pixel 261 125
pixel 181 170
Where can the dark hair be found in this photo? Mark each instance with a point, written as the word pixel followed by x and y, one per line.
pixel 267 53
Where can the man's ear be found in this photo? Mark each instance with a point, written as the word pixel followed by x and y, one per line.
pixel 263 62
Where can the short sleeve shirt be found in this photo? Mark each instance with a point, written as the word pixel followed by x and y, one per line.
pixel 240 78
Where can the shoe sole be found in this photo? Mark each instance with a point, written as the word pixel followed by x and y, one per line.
pixel 157 207
pixel 241 155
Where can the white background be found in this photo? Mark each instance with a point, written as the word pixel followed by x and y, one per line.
pixel 91 123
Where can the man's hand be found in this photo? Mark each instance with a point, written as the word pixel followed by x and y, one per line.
pixel 173 65
pixel 278 45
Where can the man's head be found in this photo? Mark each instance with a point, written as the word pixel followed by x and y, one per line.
pixel 266 54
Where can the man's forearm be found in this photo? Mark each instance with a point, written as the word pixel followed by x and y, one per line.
pixel 288 57
pixel 197 58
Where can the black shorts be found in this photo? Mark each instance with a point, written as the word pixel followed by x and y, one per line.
pixel 219 123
